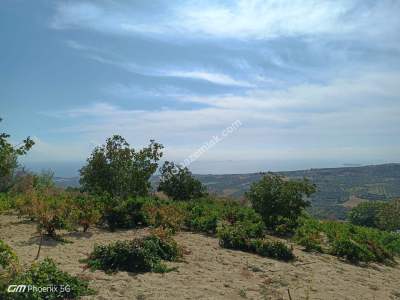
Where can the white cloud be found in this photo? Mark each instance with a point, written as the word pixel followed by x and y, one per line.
pixel 216 78
pixel 255 19
pixel 209 76
pixel 303 122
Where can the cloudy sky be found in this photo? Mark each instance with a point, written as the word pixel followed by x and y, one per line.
pixel 313 83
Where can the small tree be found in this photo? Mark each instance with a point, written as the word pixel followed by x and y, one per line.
pixel 9 158
pixel 278 200
pixel 120 171
pixel 366 214
pixel 178 183
pixel 50 207
pixel 389 216
pixel 86 210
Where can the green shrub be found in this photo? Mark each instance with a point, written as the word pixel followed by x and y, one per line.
pixel 354 243
pixel 205 214
pixel 366 214
pixel 7 256
pixel 45 274
pixel 272 249
pixel 378 214
pixel 241 237
pixel 86 209
pixel 139 255
pixel 167 216
pixel 351 250
pixel 49 207
pixel 389 216
pixel 128 213
pixel 309 235
pixel 6 202
pixel 233 237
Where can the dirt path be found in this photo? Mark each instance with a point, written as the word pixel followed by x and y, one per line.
pixel 208 271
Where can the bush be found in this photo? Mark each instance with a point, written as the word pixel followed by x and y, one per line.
pixel 381 215
pixel 389 216
pixel 50 207
pixel 178 183
pixel 366 214
pixel 45 274
pixel 128 213
pixel 233 237
pixel 205 214
pixel 167 216
pixel 351 250
pixel 354 243
pixel 139 255
pixel 6 202
pixel 278 200
pixel 272 249
pixel 86 209
pixel 310 235
pixel 7 256
pixel 241 237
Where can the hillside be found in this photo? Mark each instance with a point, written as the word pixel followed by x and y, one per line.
pixel 338 188
pixel 207 270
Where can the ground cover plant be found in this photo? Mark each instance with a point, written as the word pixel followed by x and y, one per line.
pixel 8 259
pixel 353 243
pixel 203 215
pixel 45 274
pixel 240 236
pixel 126 213
pixel 169 216
pixel 86 209
pixel 6 202
pixel 140 255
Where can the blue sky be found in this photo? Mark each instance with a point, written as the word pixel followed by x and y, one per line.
pixel 313 83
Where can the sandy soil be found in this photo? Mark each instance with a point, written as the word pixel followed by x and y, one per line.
pixel 208 271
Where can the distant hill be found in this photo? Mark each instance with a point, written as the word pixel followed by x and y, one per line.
pixel 338 188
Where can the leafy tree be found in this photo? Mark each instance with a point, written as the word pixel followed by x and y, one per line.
pixel 120 171
pixel 389 216
pixel 366 213
pixel 178 183
pixel 9 158
pixel 278 200
pixel 378 214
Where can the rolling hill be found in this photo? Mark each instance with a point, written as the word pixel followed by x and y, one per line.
pixel 338 189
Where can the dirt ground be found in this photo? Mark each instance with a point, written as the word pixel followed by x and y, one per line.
pixel 208 271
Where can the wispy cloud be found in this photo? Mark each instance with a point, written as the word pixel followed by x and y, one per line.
pixel 255 19
pixel 340 114
pixel 166 71
pixel 216 78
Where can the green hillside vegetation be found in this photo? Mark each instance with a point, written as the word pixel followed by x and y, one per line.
pixel 337 189
pixel 115 193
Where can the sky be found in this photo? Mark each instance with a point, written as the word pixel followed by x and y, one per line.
pixel 311 83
